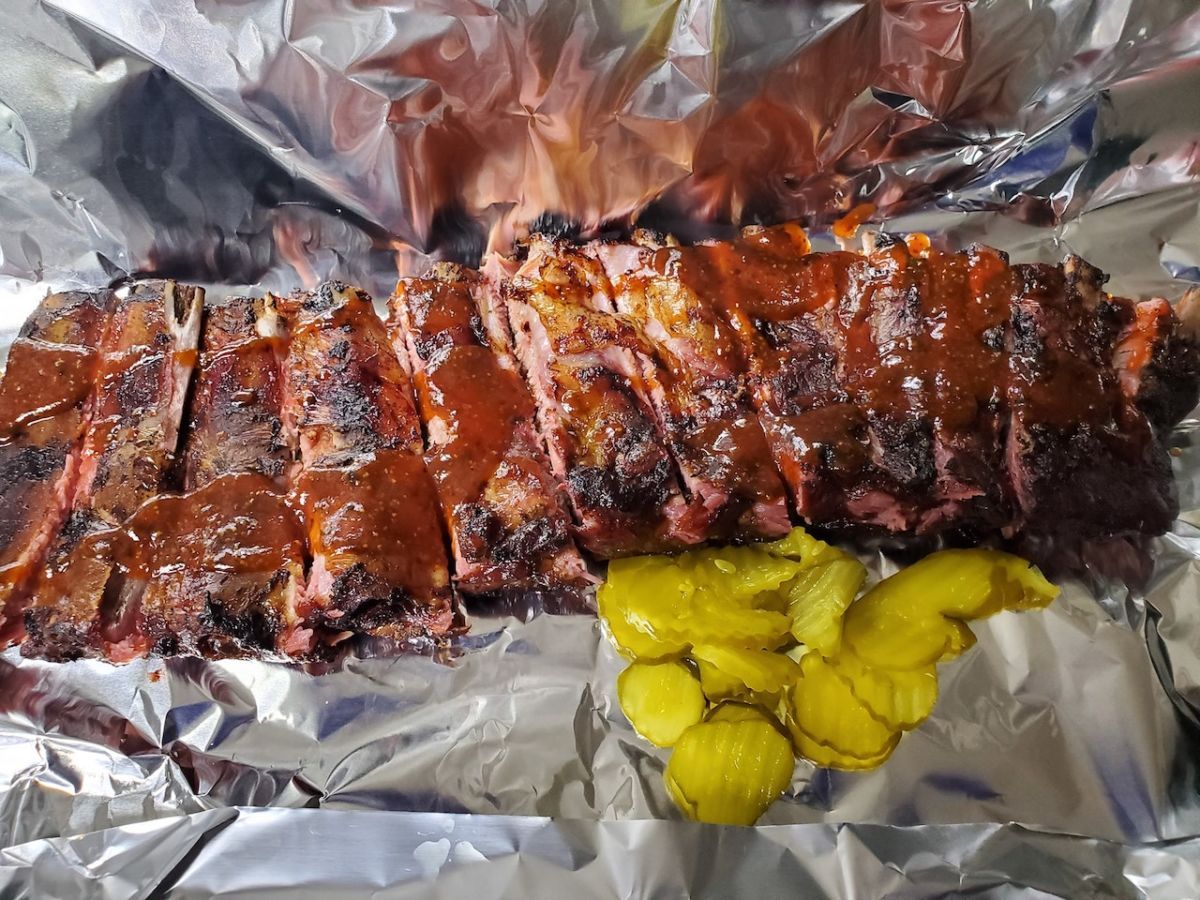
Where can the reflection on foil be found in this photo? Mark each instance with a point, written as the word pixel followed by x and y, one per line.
pixel 266 145
pixel 259 852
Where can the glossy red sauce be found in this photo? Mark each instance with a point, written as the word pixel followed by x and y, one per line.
pixel 1152 320
pixel 42 381
pixel 847 226
pixel 174 555
pixel 382 516
pixel 481 403
pixel 842 343
pixel 186 357
pixel 1066 380
pixel 237 524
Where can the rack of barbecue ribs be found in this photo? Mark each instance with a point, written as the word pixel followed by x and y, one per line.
pixel 281 476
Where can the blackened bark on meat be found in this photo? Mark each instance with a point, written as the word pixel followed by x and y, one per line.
pixel 86 603
pixel 594 410
pixel 369 504
pixel 700 391
pixel 1083 461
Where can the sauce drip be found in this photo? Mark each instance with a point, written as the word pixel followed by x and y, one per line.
pixel 506 525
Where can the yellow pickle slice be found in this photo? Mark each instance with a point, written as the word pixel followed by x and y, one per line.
pixel 823 710
pixel 727 771
pixel 774 640
pixel 819 597
pixel 661 700
pixel 912 619
pixel 758 671
pixel 900 698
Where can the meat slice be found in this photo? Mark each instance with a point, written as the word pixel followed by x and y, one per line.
pixel 236 421
pixel 878 376
pixel 508 528
pixel 924 361
pixel 593 406
pixel 222 569
pixel 1158 359
pixel 45 405
pixel 379 563
pixel 348 394
pixel 1083 460
pixel 700 391
pixel 795 313
pixel 86 604
pixel 224 563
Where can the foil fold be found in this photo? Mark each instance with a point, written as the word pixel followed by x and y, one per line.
pixel 263 144
pixel 256 853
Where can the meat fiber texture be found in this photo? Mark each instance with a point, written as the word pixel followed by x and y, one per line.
pixel 291 476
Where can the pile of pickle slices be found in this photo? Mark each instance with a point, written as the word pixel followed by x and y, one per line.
pixel 744 657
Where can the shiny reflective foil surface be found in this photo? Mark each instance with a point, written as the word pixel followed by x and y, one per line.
pixel 267 144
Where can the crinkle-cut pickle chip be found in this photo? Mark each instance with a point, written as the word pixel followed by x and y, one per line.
pixel 760 671
pixel 654 611
pixel 900 698
pixel 734 711
pixel 713 623
pixel 745 576
pixel 819 597
pixel 729 770
pixel 828 758
pixel 824 710
pixel 633 633
pixel 912 619
pixel 661 700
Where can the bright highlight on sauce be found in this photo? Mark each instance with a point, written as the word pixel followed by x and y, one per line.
pixel 745 657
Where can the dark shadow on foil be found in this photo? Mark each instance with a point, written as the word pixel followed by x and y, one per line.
pixel 455 236
pixel 164 887
pixel 526 604
pixel 201 199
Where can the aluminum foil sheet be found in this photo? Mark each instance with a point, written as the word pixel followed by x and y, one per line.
pixel 271 143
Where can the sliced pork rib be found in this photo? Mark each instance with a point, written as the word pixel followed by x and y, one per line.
pixel 801 317
pixel 593 406
pixel 86 603
pixel 700 390
pixel 45 406
pixel 225 561
pixel 379 564
pixel 236 412
pixel 1082 458
pixel 508 527
pixel 931 392
pixel 348 395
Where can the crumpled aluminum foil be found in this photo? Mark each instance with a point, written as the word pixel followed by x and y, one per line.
pixel 266 144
